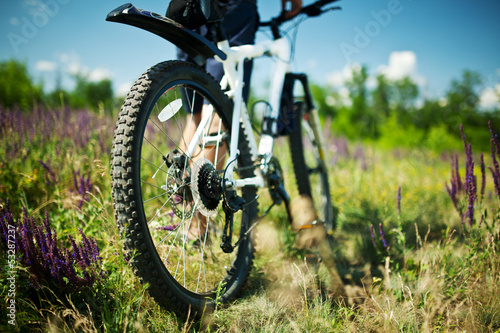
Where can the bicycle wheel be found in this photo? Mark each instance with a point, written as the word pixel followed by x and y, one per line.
pixel 310 171
pixel 164 204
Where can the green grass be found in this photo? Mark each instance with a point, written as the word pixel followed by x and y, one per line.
pixel 435 275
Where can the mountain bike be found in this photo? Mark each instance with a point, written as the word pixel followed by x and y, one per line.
pixel 187 205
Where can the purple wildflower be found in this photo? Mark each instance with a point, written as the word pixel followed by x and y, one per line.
pixel 382 236
pixel 373 236
pixel 470 180
pixel 50 177
pixel 452 193
pixel 37 248
pixel 454 188
pixel 495 151
pixel 82 186
pixel 494 137
pixel 171 227
pixel 399 200
pixel 168 227
pixel 467 188
pixel 457 177
pixel 483 176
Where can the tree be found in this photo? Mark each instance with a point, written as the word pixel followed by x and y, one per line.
pixel 16 86
pixel 361 116
pixel 462 99
pixel 405 92
pixel 91 94
pixel 381 97
pixel 321 96
pixel 99 92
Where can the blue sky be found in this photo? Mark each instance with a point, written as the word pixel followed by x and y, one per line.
pixel 431 41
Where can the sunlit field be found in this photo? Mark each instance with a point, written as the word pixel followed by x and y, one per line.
pixel 416 239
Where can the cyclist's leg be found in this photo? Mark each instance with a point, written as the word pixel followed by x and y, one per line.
pixel 240 24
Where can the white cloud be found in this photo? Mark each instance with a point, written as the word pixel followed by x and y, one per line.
pixel 124 88
pixel 45 66
pixel 401 64
pixel 72 65
pixel 98 74
pixel 371 82
pixel 344 96
pixel 335 79
pixel 339 78
pixel 490 97
pixel 66 57
pixel 15 21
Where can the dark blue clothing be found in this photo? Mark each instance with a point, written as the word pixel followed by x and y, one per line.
pixel 240 24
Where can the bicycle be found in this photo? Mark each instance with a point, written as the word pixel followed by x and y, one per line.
pixel 163 184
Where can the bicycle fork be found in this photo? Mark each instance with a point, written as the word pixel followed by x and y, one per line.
pixel 311 112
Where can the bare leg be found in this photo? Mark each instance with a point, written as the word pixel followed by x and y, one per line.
pixel 214 153
pixel 192 123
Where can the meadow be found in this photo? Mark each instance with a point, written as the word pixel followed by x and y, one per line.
pixel 416 241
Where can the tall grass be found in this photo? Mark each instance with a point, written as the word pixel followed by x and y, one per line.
pixel 427 270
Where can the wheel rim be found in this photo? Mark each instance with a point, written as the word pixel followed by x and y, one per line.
pixel 318 177
pixel 189 251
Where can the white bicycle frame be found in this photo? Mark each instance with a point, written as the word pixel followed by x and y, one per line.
pixel 233 78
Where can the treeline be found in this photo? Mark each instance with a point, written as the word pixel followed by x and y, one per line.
pixel 394 112
pixel 17 88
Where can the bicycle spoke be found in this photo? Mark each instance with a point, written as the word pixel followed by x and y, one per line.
pixel 169 205
pixel 157 167
pixel 151 199
pixel 158 150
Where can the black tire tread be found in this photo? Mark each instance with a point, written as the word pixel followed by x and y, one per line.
pixel 137 243
pixel 298 162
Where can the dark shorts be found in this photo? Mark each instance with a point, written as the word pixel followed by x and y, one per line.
pixel 240 23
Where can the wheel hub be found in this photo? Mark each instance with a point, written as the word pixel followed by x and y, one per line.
pixel 179 193
pixel 206 186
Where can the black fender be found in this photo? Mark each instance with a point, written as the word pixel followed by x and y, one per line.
pixel 195 45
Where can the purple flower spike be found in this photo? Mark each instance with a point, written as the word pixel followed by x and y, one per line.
pixel 82 186
pixel 168 227
pixel 399 200
pixel 373 236
pixel 467 188
pixel 382 236
pixel 50 177
pixel 38 250
pixel 495 152
pixel 483 176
